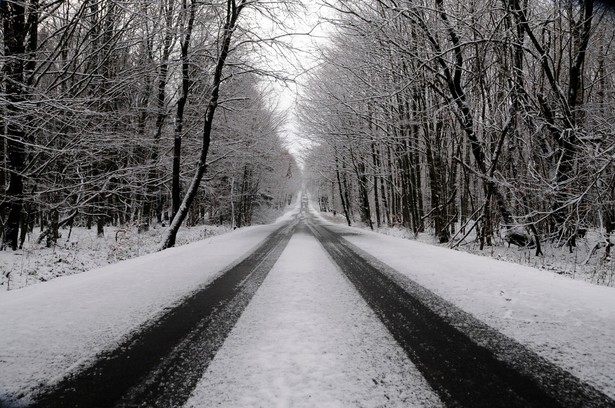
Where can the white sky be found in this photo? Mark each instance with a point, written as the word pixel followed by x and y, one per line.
pixel 307 33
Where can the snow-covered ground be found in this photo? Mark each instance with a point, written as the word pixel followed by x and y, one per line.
pixel 586 262
pixel 308 339
pixel 79 250
pixel 51 328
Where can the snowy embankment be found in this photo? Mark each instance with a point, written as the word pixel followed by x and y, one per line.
pixel 81 249
pixel 49 329
pixel 571 323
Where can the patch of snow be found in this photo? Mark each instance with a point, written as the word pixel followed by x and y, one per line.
pixel 307 339
pixel 80 250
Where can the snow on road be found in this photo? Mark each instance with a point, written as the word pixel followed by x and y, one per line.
pixel 307 339
pixel 571 323
pixel 49 329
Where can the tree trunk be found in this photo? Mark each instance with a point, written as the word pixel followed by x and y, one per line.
pixel 346 188
pixel 181 104
pixel 152 192
pixel 232 199
pixel 365 210
pixel 232 15
pixel 341 190
pixel 434 166
pixel 609 229
pixel 15 30
pixel 376 198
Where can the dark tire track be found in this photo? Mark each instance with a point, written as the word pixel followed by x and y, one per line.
pixel 161 364
pixel 471 365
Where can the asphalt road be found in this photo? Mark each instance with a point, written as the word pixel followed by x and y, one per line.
pixel 467 363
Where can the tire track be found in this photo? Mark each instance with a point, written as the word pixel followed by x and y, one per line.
pixel 466 362
pixel 161 364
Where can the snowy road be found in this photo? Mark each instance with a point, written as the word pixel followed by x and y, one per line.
pixel 304 319
pixel 159 365
pixel 308 339
pixel 466 362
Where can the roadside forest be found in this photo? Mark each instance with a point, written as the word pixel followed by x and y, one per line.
pixel 482 120
pixel 107 117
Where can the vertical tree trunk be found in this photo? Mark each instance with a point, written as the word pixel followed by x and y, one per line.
pixel 434 167
pixel 152 192
pixel 385 201
pixel 242 210
pixel 233 12
pixel 609 229
pixel 15 30
pixel 407 193
pixel 360 172
pixel 376 171
pixel 485 231
pixel 100 226
pixel 232 199
pixel 181 105
pixel 346 188
pixel 393 196
pixel 365 209
pixel 415 169
pixel 341 190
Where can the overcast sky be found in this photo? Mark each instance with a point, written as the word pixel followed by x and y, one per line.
pixel 306 33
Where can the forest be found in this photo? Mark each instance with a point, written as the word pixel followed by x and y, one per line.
pixel 479 120
pixel 107 117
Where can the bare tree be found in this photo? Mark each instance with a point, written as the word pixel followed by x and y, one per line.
pixel 478 114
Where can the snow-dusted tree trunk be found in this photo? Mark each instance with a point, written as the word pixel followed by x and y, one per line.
pixel 233 11
pixel 181 103
pixel 20 25
pixel 152 194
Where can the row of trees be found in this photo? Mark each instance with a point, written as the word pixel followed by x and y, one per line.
pixel 461 116
pixel 107 116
